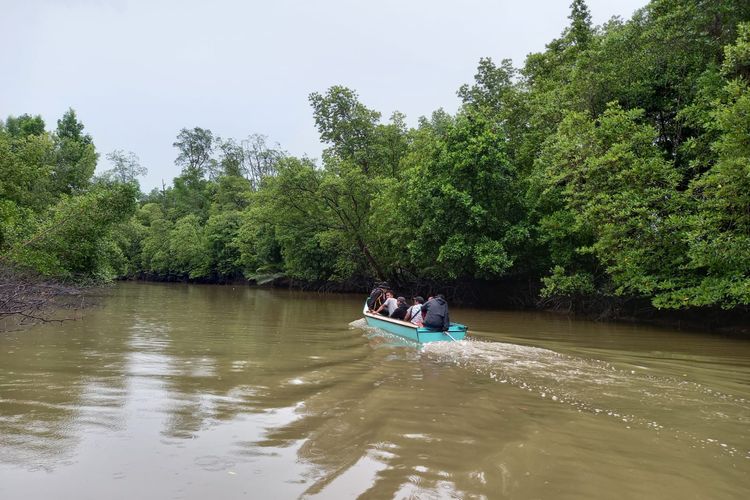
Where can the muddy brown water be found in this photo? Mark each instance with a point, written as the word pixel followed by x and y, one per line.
pixel 194 392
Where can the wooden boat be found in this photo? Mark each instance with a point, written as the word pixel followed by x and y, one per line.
pixel 413 332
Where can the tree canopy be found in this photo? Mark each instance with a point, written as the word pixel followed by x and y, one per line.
pixel 613 164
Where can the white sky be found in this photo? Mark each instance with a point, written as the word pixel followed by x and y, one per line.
pixel 137 71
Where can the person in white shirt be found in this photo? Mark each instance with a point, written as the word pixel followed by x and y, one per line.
pixel 414 313
pixel 389 305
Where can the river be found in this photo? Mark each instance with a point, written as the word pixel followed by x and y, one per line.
pixel 195 392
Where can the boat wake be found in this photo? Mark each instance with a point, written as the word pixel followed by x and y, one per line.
pixel 634 397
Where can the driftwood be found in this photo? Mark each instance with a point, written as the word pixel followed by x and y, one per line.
pixel 29 298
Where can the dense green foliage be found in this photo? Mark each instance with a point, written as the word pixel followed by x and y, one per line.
pixel 55 218
pixel 615 163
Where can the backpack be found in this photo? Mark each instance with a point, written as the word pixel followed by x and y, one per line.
pixel 375 299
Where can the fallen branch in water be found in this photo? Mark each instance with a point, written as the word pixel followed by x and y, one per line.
pixel 30 298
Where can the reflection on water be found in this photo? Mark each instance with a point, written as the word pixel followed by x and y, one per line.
pixel 197 391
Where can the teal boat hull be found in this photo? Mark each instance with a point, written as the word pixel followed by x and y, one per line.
pixel 414 333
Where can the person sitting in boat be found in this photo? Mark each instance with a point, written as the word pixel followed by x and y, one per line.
pixel 401 308
pixel 377 296
pixel 390 305
pixel 414 313
pixel 435 313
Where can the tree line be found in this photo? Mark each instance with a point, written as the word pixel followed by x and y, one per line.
pixel 613 165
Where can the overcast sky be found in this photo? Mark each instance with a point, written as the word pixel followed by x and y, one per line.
pixel 137 71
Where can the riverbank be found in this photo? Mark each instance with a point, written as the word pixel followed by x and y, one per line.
pixel 522 295
pixel 27 299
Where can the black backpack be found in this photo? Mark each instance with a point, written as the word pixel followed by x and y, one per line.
pixel 375 299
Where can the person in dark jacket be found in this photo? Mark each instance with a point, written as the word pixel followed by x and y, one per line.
pixel 435 313
pixel 401 308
